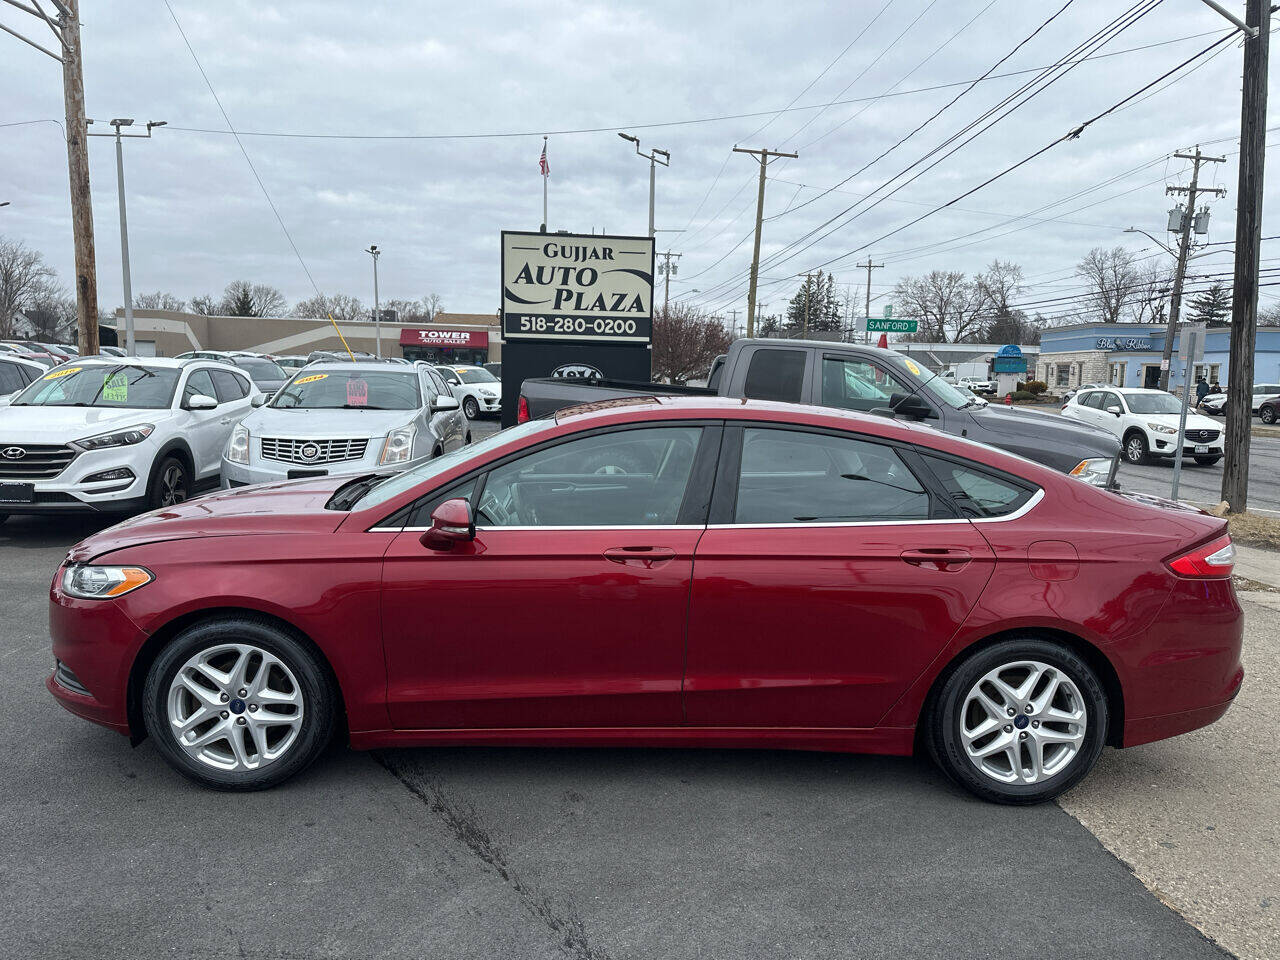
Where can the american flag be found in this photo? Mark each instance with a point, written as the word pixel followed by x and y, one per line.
pixel 543 166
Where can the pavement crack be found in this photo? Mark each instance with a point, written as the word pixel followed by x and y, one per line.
pixel 465 824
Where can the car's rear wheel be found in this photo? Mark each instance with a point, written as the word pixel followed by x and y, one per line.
pixel 471 408
pixel 1135 448
pixel 236 703
pixel 1207 461
pixel 1019 722
pixel 170 485
pixel 1267 415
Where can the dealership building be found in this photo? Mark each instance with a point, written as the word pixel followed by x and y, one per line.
pixel 1129 354
pixel 448 338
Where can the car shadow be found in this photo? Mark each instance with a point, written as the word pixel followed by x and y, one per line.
pixel 43 532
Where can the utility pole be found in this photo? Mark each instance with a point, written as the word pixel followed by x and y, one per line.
pixel 668 269
pixel 1180 273
pixel 734 312
pixel 652 157
pixel 869 266
pixel 65 25
pixel 374 252
pixel 130 342
pixel 1244 302
pixel 762 157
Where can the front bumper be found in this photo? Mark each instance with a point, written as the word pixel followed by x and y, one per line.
pixel 1167 447
pixel 489 404
pixel 258 470
pixel 69 492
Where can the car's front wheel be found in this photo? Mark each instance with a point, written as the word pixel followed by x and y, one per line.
pixel 1019 722
pixel 1135 448
pixel 170 485
pixel 236 703
pixel 471 408
pixel 1267 415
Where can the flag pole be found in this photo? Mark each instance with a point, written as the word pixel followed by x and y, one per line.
pixel 544 185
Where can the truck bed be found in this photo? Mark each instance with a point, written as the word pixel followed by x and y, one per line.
pixel 545 395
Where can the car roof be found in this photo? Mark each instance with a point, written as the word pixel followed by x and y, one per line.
pixel 168 363
pixel 14 358
pixel 1128 391
pixel 367 366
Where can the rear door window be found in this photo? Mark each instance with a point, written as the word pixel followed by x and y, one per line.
pixel 229 386
pixel 775 375
pixel 791 476
pixel 10 378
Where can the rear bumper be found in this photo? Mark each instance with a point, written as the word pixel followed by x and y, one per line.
pixel 1149 729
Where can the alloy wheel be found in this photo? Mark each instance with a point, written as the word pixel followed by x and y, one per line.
pixel 173 485
pixel 1023 722
pixel 1135 449
pixel 235 707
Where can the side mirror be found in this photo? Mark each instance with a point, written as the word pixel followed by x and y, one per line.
pixel 910 405
pixel 1113 409
pixel 442 403
pixel 451 522
pixel 200 401
pixel 454 382
pixel 258 399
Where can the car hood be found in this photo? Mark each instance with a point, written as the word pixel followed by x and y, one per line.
pixel 291 508
pixel 1194 420
pixel 325 424
pixel 1051 427
pixel 43 424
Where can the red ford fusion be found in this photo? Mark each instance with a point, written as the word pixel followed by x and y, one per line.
pixel 686 572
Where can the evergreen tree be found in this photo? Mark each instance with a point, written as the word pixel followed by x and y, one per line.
pixel 1212 306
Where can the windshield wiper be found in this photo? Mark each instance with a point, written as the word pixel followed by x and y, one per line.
pixel 362 406
pixel 350 492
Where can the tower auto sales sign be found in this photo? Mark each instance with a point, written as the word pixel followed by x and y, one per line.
pixel 558 286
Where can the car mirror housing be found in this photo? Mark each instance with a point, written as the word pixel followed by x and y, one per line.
pixel 200 401
pixel 451 522
pixel 258 400
pixel 910 405
pixel 441 403
pixel 1113 409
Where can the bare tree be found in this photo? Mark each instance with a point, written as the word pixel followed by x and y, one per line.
pixel 159 301
pixel 1112 281
pixel 1150 301
pixel 204 305
pixel 340 306
pixel 947 306
pixel 24 277
pixel 1270 316
pixel 685 341
pixel 431 305
pixel 244 299
pixel 52 314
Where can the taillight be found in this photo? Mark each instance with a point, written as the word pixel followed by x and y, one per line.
pixel 1211 560
pixel 522 414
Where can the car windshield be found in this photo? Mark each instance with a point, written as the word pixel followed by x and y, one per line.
pixel 1153 403
pixel 260 369
pixel 350 390
pixel 946 392
pixel 397 483
pixel 126 386
pixel 476 376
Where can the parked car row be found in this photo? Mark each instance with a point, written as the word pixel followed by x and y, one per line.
pixel 1264 403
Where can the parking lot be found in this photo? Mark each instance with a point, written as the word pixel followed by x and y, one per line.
pixel 1204 484
pixel 618 853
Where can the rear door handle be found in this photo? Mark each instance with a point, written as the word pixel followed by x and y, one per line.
pixel 937 558
pixel 640 556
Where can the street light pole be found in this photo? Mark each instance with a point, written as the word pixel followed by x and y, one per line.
pixel 374 252
pixel 652 157
pixel 130 342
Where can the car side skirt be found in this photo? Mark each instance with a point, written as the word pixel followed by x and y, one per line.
pixel 896 741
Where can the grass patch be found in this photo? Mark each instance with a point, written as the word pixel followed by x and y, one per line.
pixel 1255 530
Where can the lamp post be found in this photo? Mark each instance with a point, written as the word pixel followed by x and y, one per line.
pixel 652 157
pixel 374 252
pixel 130 346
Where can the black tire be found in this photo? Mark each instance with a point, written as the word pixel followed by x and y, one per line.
pixel 1267 415
pixel 470 408
pixel 170 484
pixel 319 701
pixel 946 713
pixel 1207 461
pixel 3 517
pixel 1135 448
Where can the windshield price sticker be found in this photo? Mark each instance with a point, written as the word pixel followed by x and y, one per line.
pixel 64 372
pixel 115 388
pixel 311 379
pixel 358 393
pixel 911 366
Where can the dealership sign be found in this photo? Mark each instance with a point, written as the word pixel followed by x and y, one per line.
pixel 577 287
pixel 443 338
pixel 1124 343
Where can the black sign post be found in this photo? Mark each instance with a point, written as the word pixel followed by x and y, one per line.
pixel 574 305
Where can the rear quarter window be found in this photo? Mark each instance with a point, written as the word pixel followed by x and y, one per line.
pixel 979 493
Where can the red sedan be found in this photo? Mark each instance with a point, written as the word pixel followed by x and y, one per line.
pixel 652 572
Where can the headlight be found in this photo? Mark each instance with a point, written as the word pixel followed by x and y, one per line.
pixel 120 438
pixel 238 445
pixel 1094 471
pixel 487 393
pixel 103 583
pixel 398 447
pixel 1161 428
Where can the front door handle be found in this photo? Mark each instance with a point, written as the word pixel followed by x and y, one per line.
pixel 647 557
pixel 229 420
pixel 937 558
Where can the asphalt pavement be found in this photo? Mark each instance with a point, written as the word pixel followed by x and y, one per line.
pixel 471 852
pixel 1204 484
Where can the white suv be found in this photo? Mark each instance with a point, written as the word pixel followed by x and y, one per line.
pixel 116 435
pixel 1146 421
pixel 476 388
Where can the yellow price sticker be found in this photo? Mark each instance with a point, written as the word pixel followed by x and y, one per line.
pixel 64 372
pixel 311 379
pixel 912 367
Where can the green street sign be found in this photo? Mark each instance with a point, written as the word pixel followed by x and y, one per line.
pixel 886 325
pixel 888 311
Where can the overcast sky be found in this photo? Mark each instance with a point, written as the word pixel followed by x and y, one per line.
pixel 198 219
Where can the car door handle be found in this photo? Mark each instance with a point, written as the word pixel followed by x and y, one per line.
pixel 228 419
pixel 937 558
pixel 640 556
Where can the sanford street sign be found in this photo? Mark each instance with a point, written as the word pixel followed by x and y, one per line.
pixel 887 325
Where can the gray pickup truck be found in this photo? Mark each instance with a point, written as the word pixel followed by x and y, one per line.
pixel 854 377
